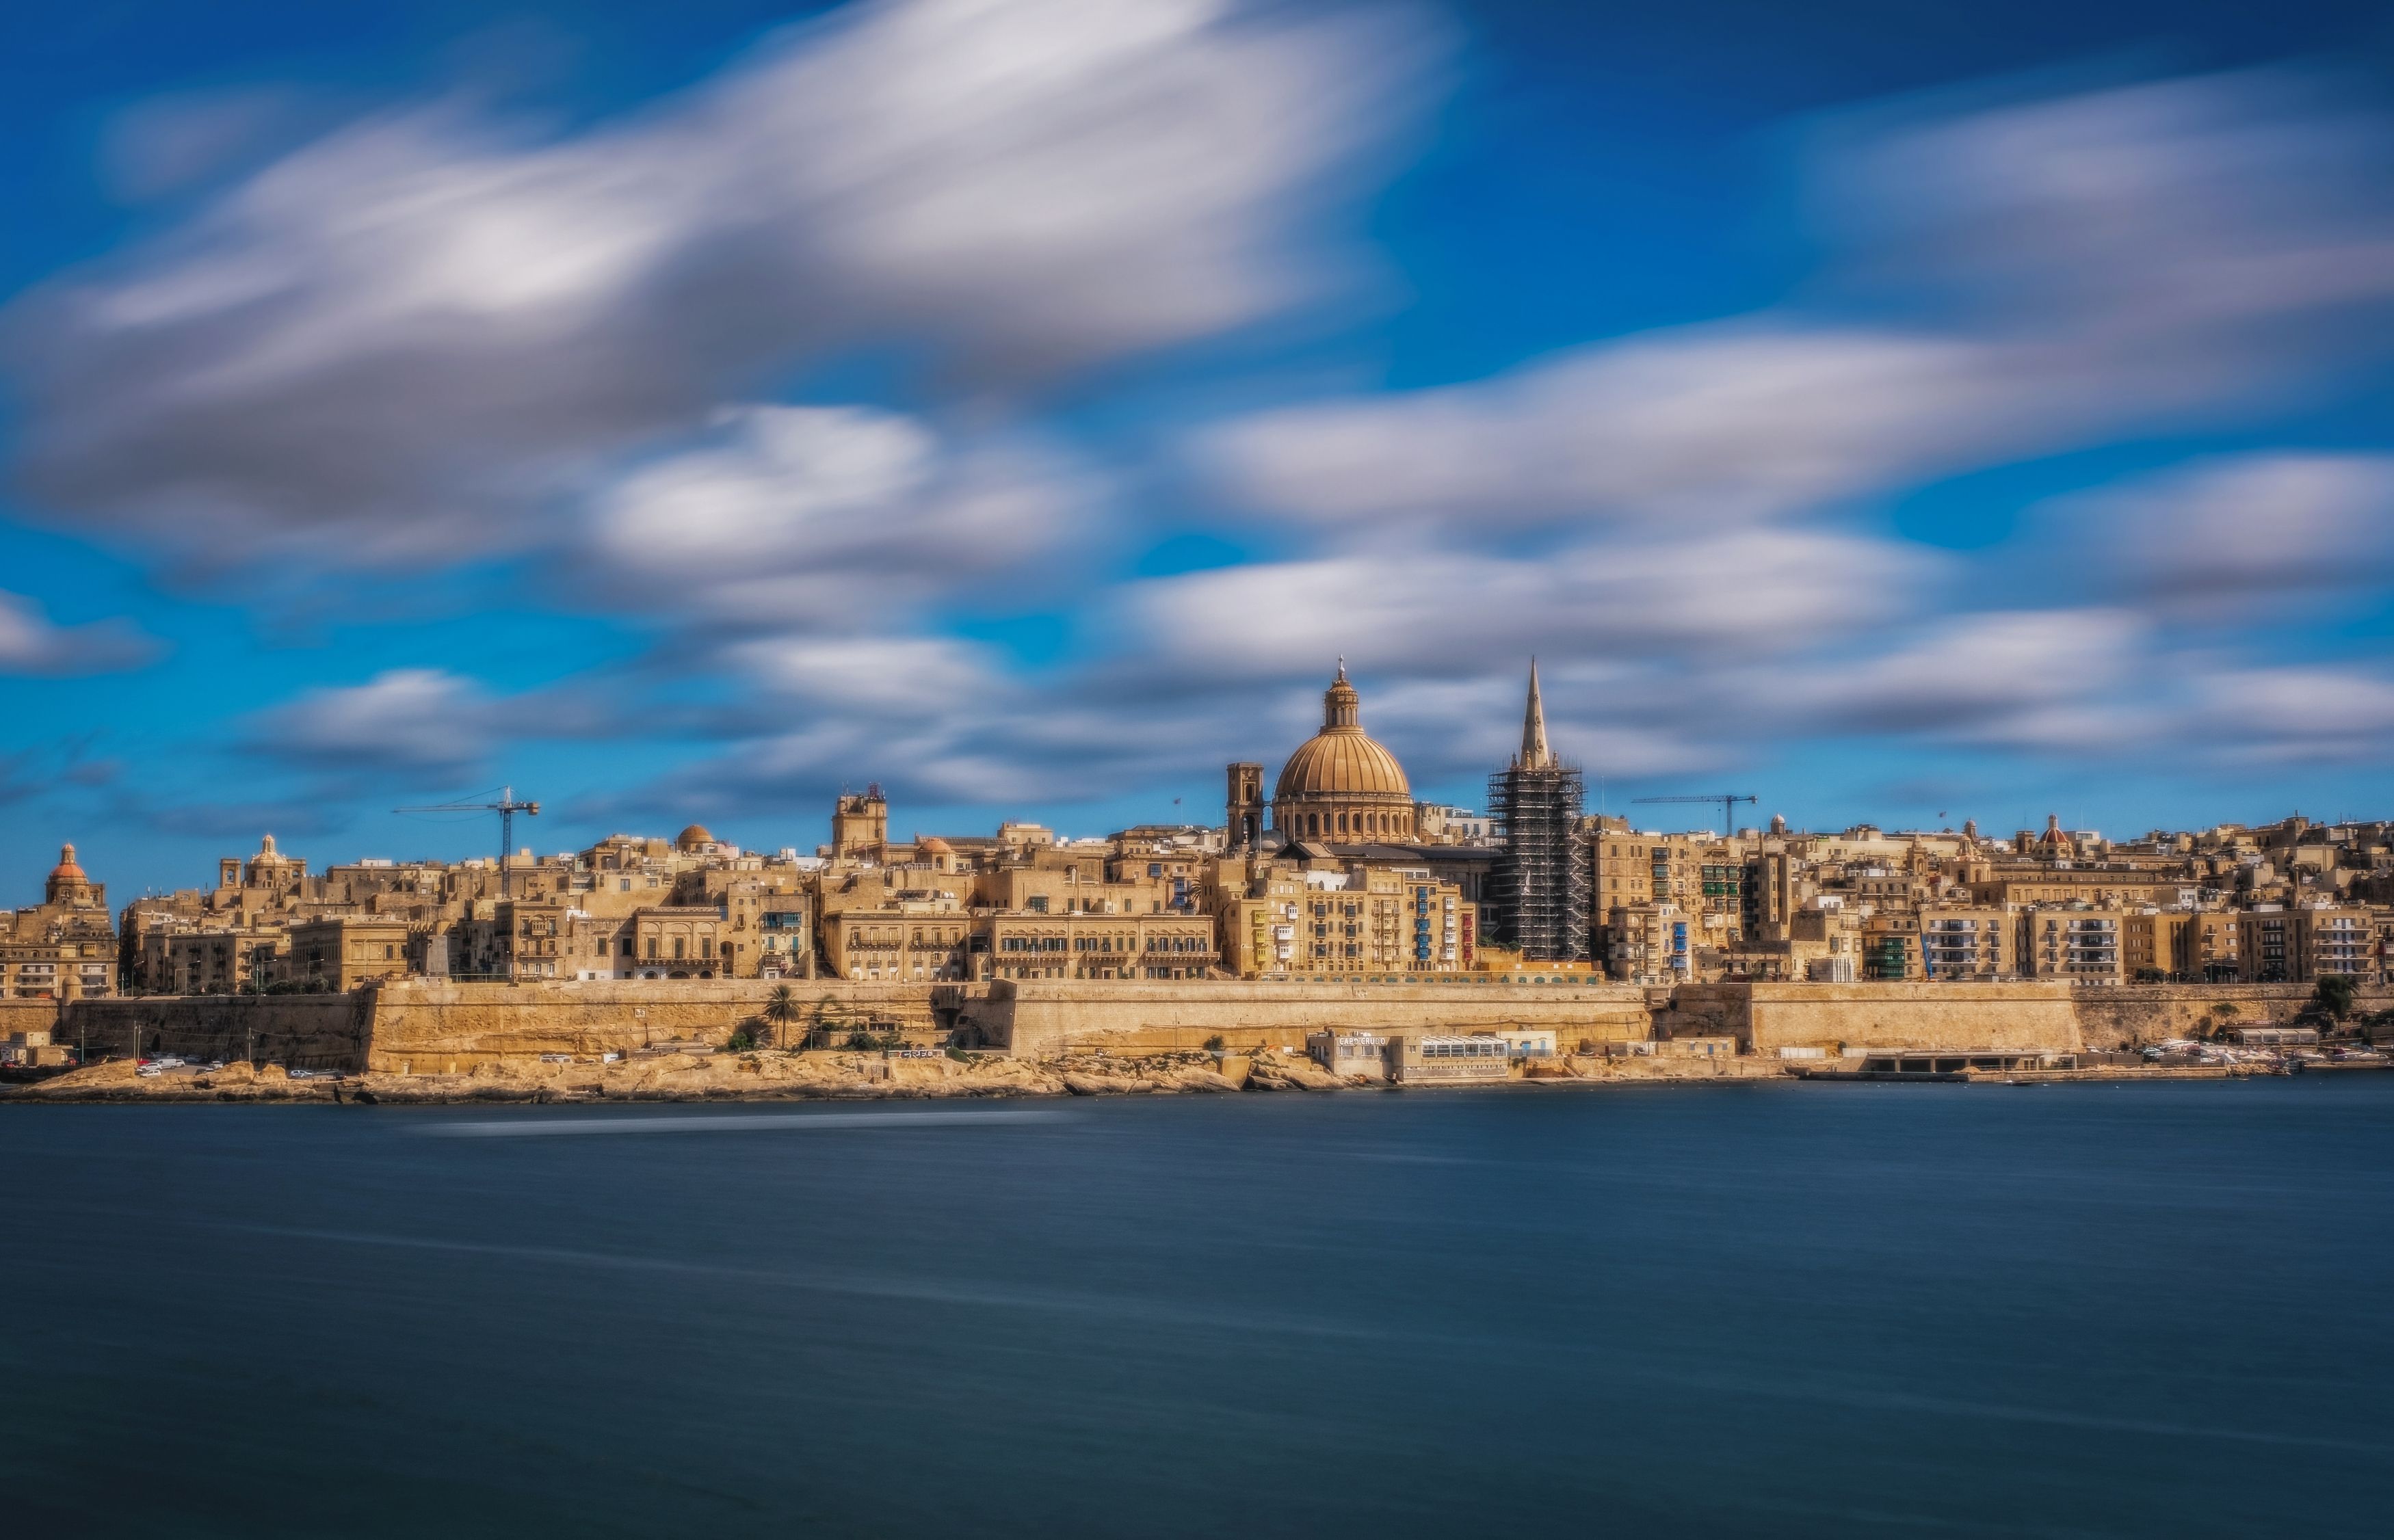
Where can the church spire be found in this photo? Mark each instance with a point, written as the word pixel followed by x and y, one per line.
pixel 1535 755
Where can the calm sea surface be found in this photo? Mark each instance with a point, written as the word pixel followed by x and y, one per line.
pixel 1782 1310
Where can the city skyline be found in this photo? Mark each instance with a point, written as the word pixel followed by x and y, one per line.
pixel 685 417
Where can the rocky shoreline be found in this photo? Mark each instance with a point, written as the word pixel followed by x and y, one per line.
pixel 769 1076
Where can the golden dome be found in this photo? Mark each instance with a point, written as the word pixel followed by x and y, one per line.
pixel 1342 759
pixel 932 844
pixel 694 836
pixel 67 870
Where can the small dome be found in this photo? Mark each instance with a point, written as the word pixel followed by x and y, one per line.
pixel 67 870
pixel 932 844
pixel 693 837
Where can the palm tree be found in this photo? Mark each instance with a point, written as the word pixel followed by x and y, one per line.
pixel 781 1008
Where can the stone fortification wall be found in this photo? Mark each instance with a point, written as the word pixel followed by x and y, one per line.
pixel 1038 1018
pixel 18 1016
pixel 2019 1018
pixel 425 1027
pixel 438 1028
pixel 311 1032
pixel 2128 1015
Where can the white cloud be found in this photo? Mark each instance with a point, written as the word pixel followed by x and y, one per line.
pixel 880 677
pixel 2017 679
pixel 1730 422
pixel 816 519
pixel 402 340
pixel 2293 714
pixel 1442 612
pixel 414 720
pixel 29 643
pixel 2241 527
pixel 2052 273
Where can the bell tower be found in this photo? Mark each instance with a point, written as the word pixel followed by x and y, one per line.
pixel 1243 825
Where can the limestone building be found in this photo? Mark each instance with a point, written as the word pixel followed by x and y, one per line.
pixel 859 827
pixel 65 946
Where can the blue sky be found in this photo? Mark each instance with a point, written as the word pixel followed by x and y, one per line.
pixel 683 413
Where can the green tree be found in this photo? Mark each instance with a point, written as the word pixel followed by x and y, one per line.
pixel 781 1009
pixel 2334 994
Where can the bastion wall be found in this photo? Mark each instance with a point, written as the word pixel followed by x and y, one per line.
pixel 18 1016
pixel 1765 1018
pixel 439 1027
pixel 300 1031
pixel 1039 1018
pixel 424 1027
pixel 2131 1015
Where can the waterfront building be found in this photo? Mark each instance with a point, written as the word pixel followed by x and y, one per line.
pixel 1355 1055
pixel 1090 945
pixel 1892 946
pixel 2153 941
pixel 2208 946
pixel 1965 941
pixel 1258 906
pixel 1383 919
pixel 2305 942
pixel 339 952
pixel 925 939
pixel 2072 941
pixel 184 958
pixel 1648 943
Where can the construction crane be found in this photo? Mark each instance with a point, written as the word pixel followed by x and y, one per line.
pixel 1728 801
pixel 506 806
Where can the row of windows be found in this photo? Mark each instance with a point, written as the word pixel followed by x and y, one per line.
pixel 1318 825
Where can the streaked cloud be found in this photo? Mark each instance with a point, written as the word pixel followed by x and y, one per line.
pixel 30 643
pixel 424 722
pixel 2240 528
pixel 828 518
pixel 2038 277
pixel 403 341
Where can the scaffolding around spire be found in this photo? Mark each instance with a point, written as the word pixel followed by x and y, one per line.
pixel 1541 890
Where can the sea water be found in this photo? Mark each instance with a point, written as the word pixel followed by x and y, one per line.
pixel 1781 1309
